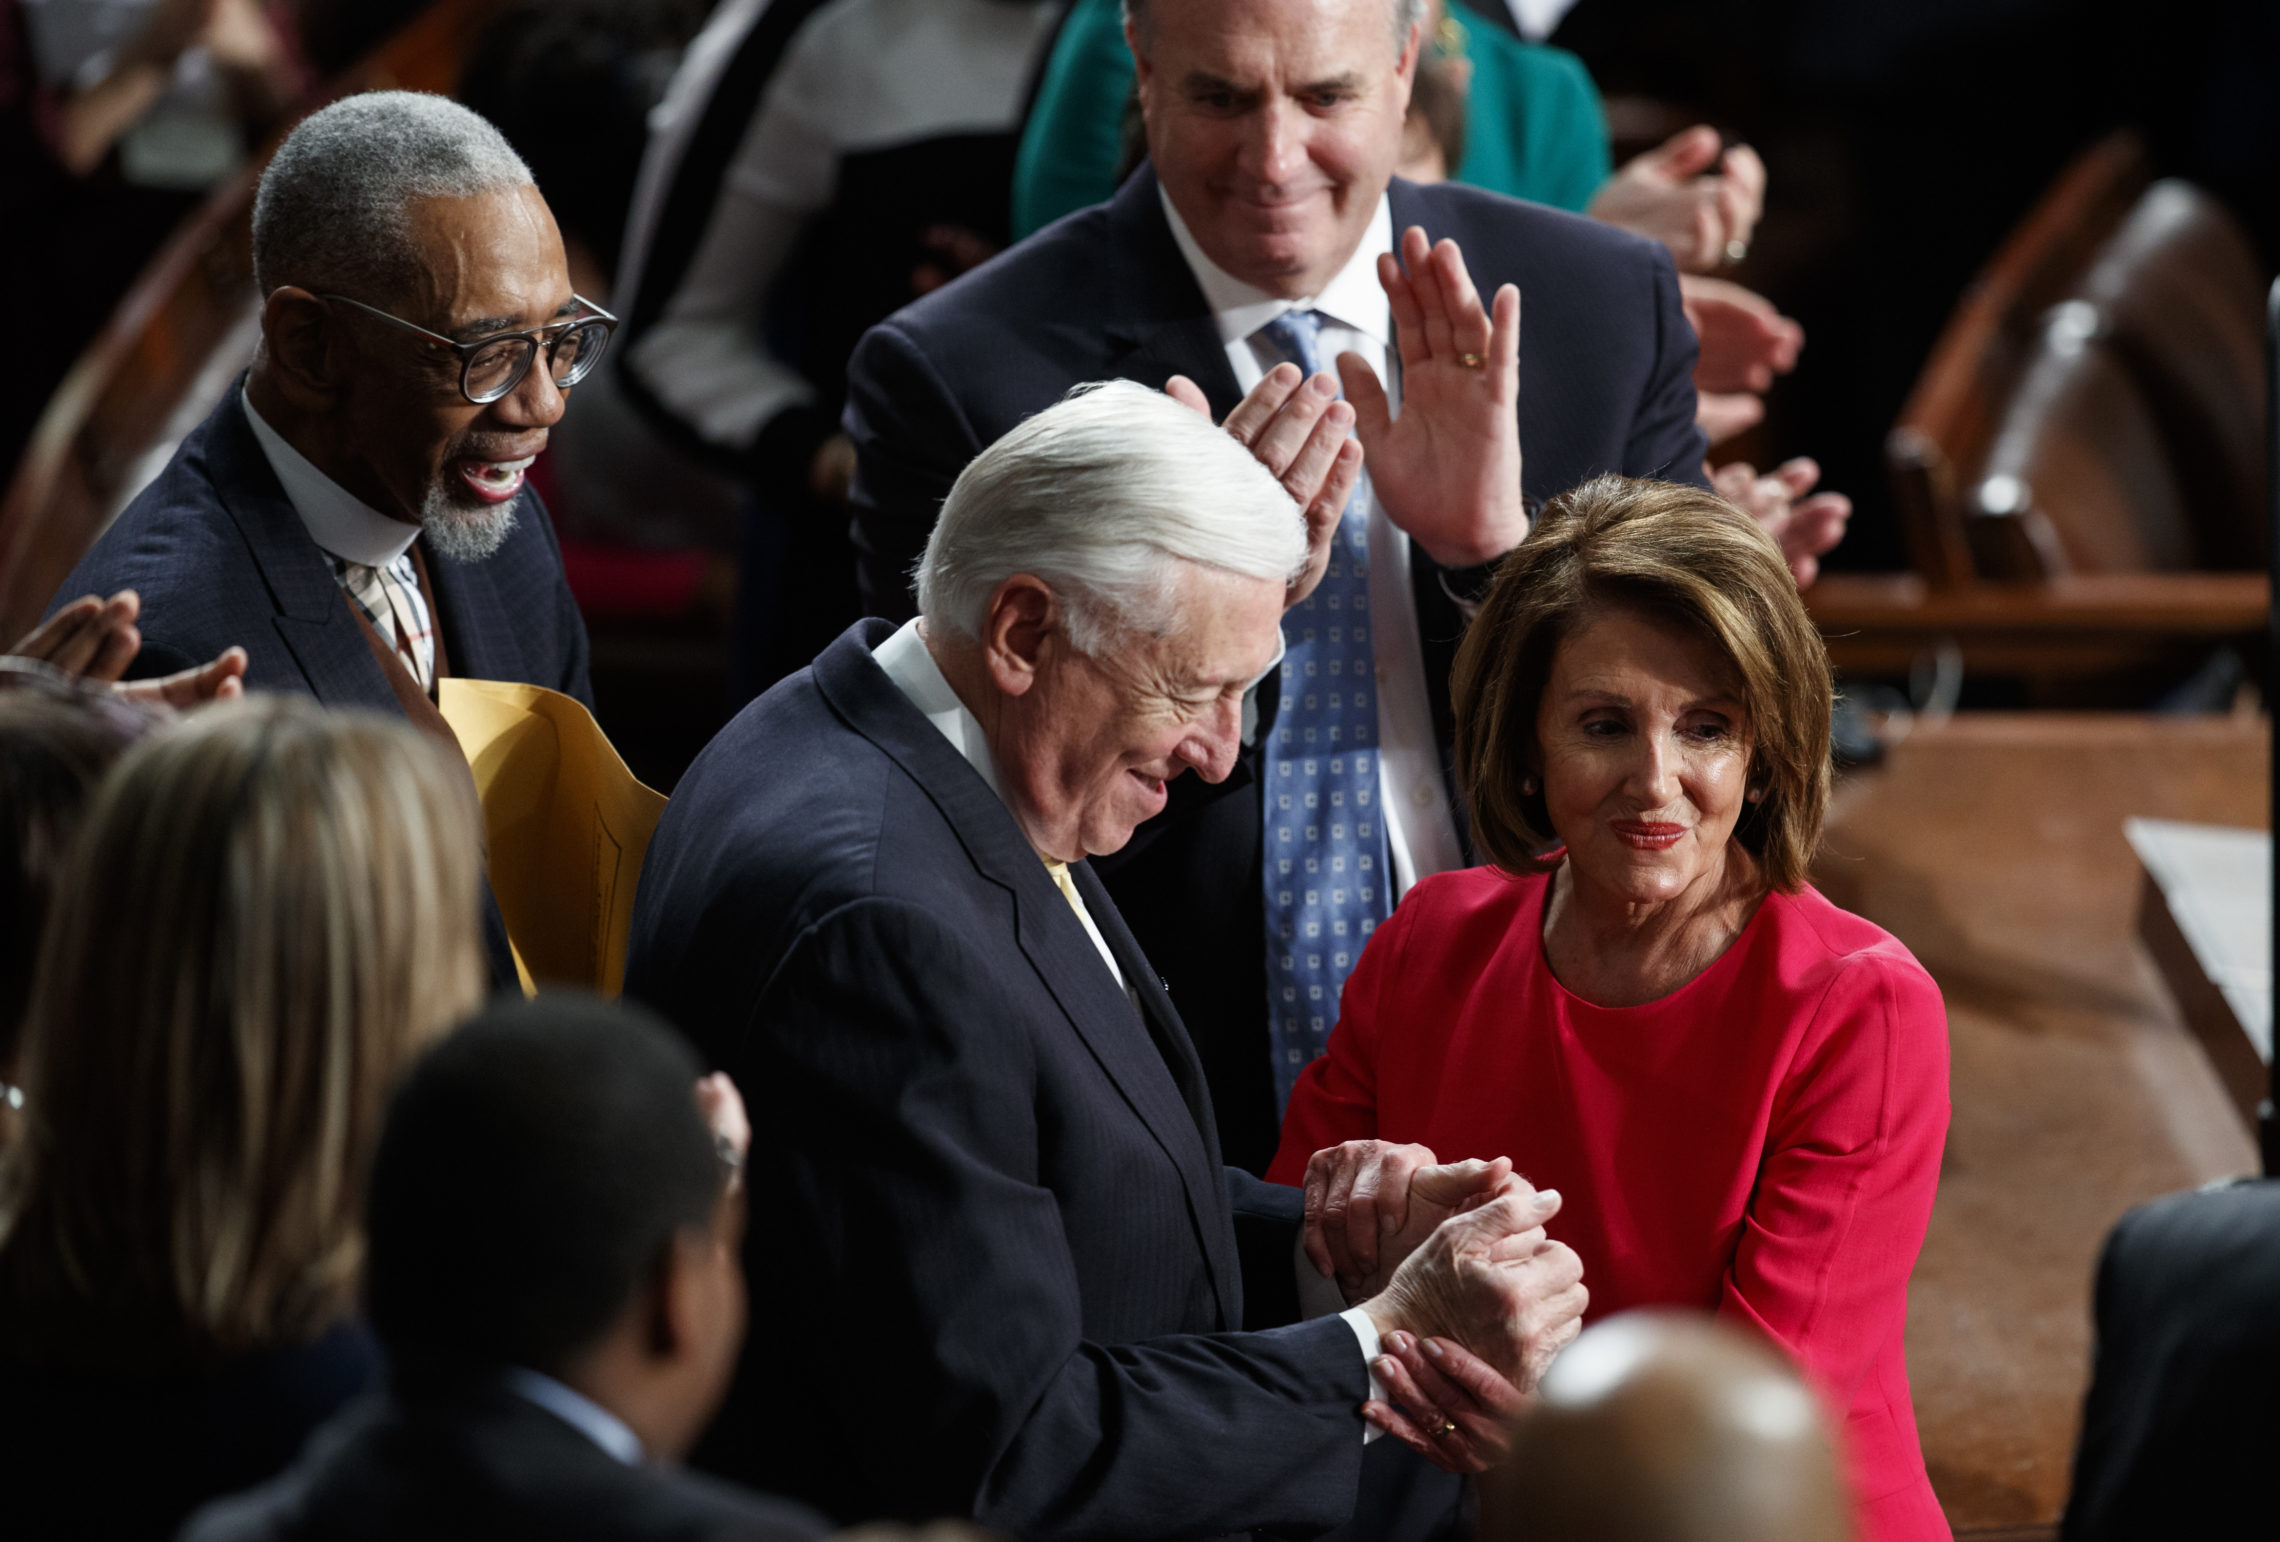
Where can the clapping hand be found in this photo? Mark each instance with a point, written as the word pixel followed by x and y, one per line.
pixel 95 639
pixel 1448 469
pixel 1744 342
pixel 1299 430
pixel 1803 527
pixel 1671 194
pixel 1369 1203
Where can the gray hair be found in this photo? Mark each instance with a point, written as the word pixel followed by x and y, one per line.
pixel 1100 495
pixel 330 214
pixel 1406 14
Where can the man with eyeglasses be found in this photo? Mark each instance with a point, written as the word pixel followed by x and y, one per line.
pixel 354 513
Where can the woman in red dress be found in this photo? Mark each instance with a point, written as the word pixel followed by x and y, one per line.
pixel 1739 1089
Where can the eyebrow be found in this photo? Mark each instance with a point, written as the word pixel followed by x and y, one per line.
pixel 1199 82
pixel 1616 699
pixel 486 326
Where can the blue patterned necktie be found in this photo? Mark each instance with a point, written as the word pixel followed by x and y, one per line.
pixel 1326 875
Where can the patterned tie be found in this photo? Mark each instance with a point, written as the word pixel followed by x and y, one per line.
pixel 390 599
pixel 1326 874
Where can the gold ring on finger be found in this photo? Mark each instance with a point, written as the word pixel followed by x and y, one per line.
pixel 1448 1428
pixel 1472 360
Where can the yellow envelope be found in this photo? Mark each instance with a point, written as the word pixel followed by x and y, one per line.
pixel 568 827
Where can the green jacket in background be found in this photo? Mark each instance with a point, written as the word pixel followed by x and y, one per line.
pixel 1534 128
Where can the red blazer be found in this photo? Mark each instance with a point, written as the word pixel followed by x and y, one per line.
pixel 1763 1142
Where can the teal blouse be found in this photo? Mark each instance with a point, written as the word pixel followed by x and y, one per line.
pixel 1534 126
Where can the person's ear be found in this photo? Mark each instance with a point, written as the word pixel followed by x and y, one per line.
pixel 306 351
pixel 1017 632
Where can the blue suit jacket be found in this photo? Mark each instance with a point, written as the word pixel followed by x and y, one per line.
pixel 220 557
pixel 997 1266
pixel 1606 384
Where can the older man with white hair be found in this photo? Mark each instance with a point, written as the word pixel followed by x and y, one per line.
pixel 997 1266
pixel 353 513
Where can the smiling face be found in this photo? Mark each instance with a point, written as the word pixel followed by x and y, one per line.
pixel 1274 126
pixel 1087 750
pixel 414 446
pixel 1644 741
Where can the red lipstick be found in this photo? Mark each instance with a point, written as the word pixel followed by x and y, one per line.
pixel 1646 834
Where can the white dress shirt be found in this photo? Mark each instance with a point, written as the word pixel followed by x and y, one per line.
pixel 906 661
pixel 1421 829
pixel 339 521
pixel 580 1412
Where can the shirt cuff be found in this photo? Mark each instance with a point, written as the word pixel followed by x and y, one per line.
pixel 1365 1329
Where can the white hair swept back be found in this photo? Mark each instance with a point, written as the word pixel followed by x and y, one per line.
pixel 1100 495
pixel 330 213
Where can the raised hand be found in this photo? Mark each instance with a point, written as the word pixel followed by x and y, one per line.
pixel 1299 430
pixel 1448 469
pixel 1444 1403
pixel 1490 1279
pixel 1369 1203
pixel 1803 527
pixel 221 680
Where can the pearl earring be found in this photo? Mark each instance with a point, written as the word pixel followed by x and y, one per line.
pixel 1529 787
pixel 1756 795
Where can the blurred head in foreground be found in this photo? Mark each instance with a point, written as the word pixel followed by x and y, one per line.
pixel 1668 1427
pixel 269 910
pixel 548 1197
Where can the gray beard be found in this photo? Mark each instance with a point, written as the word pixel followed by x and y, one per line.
pixel 466 533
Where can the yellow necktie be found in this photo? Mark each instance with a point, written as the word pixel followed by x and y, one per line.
pixel 1060 872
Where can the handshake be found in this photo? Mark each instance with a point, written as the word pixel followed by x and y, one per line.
pixel 1471 1299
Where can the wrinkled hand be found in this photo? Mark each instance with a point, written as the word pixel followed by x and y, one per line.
pixel 1490 1279
pixel 1448 469
pixel 1299 430
pixel 1448 1405
pixel 1744 343
pixel 1671 195
pixel 722 1108
pixel 1803 527
pixel 1369 1203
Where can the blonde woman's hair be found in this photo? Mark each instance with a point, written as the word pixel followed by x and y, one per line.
pixel 271 909
pixel 1681 555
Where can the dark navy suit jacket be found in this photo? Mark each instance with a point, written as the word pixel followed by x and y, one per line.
pixel 481 1466
pixel 1606 384
pixel 220 558
pixel 995 1260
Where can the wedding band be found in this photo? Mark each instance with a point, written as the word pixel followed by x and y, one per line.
pixel 1448 1428
pixel 1736 251
pixel 1472 360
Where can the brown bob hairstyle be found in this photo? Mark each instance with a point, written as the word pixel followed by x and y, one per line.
pixel 1683 556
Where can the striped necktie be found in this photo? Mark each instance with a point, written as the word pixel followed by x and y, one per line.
pixel 1325 867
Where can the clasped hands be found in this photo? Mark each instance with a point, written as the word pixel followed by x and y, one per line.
pixel 1470 1297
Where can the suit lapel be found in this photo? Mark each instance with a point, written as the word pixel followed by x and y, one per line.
pixel 1157 322
pixel 313 618
pixel 1145 1071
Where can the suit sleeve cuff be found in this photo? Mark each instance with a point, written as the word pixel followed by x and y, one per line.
pixel 1365 1330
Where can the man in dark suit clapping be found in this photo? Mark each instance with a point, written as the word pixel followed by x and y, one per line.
pixel 1265 229
pixel 999 1267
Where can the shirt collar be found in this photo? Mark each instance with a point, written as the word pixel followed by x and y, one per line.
pixel 1353 298
pixel 581 1413
pixel 337 519
pixel 910 665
